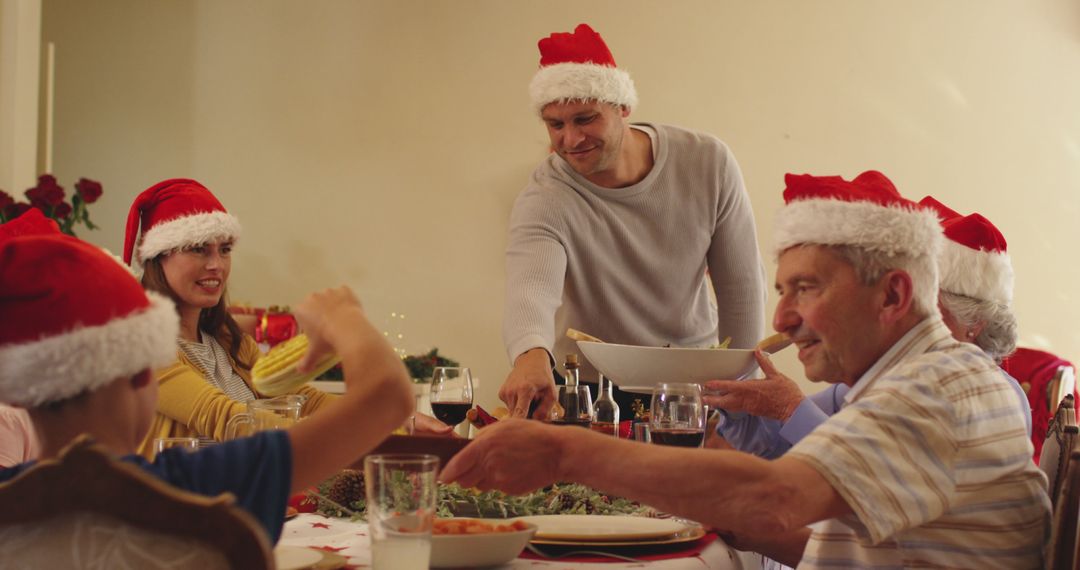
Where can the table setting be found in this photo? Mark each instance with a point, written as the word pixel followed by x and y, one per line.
pixel 389 511
pixel 351 541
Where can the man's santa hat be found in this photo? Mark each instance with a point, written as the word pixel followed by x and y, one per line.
pixel 174 214
pixel 72 320
pixel 975 261
pixel 579 66
pixel 866 212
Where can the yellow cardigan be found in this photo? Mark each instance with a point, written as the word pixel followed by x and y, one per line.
pixel 190 406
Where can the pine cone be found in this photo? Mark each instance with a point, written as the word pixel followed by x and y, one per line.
pixel 348 487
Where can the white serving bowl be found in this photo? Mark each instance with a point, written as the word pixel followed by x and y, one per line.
pixel 479 550
pixel 641 367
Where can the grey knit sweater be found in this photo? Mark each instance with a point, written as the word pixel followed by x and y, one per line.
pixel 628 265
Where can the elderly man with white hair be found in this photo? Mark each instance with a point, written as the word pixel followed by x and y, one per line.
pixel 927 463
pixel 975 298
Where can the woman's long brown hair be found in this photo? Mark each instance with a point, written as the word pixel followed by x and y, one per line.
pixel 215 320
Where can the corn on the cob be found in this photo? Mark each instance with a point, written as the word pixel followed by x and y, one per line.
pixel 275 373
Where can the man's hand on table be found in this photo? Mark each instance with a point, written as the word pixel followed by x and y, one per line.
pixel 785 548
pixel 427 425
pixel 512 455
pixel 774 396
pixel 529 380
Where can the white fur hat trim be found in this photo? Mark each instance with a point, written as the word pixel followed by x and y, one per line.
pixel 891 230
pixel 563 82
pixel 84 359
pixel 187 231
pixel 984 275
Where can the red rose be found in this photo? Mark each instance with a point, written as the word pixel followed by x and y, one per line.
pixel 5 200
pixel 46 193
pixel 89 190
pixel 16 209
pixel 62 210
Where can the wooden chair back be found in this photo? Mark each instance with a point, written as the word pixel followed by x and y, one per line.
pixel 1061 436
pixel 1062 554
pixel 85 509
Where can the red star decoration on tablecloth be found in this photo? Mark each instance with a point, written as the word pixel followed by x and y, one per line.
pixel 330 548
pixel 320 525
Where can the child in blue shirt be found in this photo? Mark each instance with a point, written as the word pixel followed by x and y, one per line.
pixel 78 340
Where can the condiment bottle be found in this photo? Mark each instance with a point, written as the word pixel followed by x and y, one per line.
pixel 568 399
pixel 605 410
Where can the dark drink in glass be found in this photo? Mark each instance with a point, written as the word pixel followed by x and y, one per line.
pixel 450 413
pixel 680 437
pixel 580 422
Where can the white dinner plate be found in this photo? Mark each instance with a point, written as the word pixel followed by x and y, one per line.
pixel 641 366
pixel 598 528
pixel 296 557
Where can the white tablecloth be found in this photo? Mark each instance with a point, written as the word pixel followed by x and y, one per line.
pixel 350 539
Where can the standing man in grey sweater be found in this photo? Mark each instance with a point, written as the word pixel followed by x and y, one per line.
pixel 619 228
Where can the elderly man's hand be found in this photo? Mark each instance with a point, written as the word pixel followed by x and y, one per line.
pixel 774 396
pixel 786 548
pixel 427 425
pixel 512 455
pixel 530 380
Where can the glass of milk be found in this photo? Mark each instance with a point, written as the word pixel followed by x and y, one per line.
pixel 401 494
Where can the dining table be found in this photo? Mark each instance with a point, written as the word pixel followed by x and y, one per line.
pixel 349 540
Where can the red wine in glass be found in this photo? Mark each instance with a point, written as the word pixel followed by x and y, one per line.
pixel 579 422
pixel 681 437
pixel 450 413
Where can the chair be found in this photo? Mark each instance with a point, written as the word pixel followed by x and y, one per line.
pixel 86 509
pixel 1062 554
pixel 1061 436
pixel 1062 384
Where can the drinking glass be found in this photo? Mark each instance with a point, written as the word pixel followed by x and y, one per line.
pixel 641 432
pixel 451 394
pixel 262 415
pixel 185 443
pixel 401 497
pixel 573 406
pixel 677 416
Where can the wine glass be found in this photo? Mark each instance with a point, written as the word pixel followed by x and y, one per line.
pixel 573 406
pixel 451 394
pixel 677 416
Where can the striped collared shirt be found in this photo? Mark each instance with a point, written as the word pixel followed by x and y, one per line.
pixel 932 455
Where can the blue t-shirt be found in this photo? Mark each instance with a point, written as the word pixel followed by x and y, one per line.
pixel 257 470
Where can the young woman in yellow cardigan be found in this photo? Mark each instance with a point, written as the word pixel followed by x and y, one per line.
pixel 184 249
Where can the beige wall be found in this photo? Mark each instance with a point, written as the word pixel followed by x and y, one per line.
pixel 381 143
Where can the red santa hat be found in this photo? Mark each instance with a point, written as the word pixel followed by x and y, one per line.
pixel 866 212
pixel 72 320
pixel 174 214
pixel 579 66
pixel 974 261
pixel 31 222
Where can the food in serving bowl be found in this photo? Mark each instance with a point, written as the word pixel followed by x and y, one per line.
pixel 474 526
pixel 644 366
pixel 473 547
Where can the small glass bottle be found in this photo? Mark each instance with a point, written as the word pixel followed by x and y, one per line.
pixel 572 407
pixel 573 370
pixel 605 410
